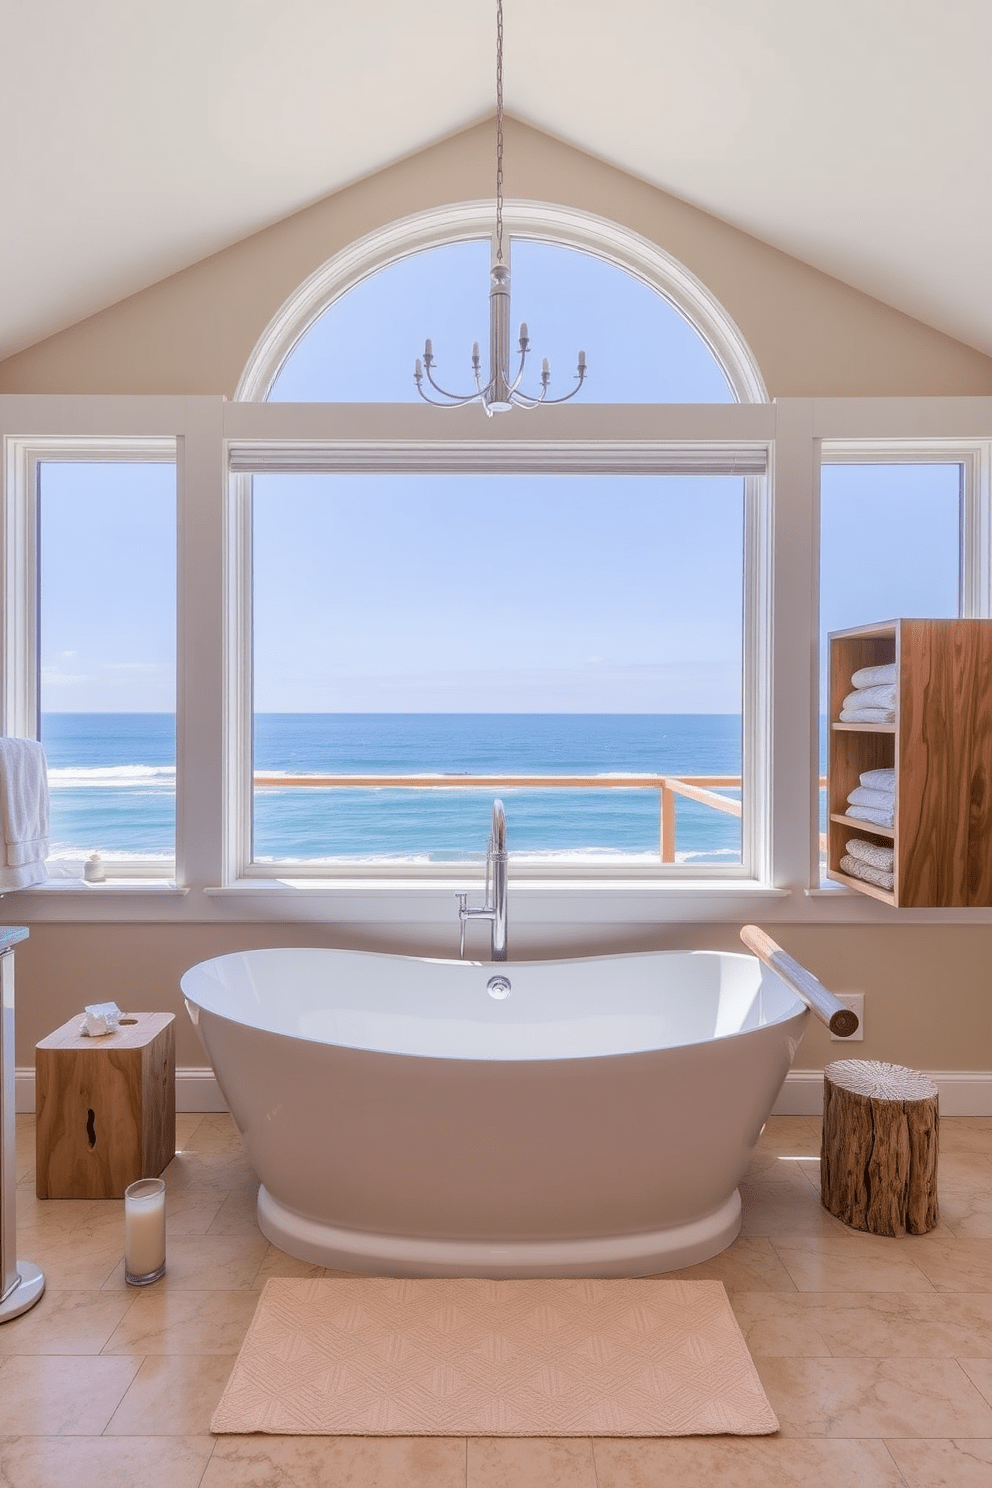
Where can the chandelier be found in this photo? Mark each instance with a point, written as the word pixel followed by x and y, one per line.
pixel 499 392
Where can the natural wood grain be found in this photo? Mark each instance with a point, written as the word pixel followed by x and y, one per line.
pixel 106 1107
pixel 945 761
pixel 941 750
pixel 878 1159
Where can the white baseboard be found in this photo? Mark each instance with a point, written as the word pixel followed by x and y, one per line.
pixel 962 1092
pixel 196 1091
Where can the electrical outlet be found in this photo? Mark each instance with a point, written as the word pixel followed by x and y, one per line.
pixel 855 1001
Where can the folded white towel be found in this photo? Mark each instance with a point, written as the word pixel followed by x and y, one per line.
pixel 857 869
pixel 24 813
pixel 871 852
pixel 868 715
pixel 871 814
pixel 879 779
pixel 870 697
pixel 875 676
pixel 864 795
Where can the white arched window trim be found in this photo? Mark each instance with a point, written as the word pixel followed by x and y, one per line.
pixel 538 220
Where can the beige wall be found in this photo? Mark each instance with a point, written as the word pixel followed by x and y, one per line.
pixel 928 1002
pixel 193 332
pixel 928 990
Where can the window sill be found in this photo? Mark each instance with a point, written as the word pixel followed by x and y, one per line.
pixel 535 889
pixel 55 887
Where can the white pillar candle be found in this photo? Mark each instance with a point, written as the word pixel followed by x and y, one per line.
pixel 144 1231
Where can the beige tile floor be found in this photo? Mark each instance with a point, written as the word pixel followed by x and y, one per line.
pixel 876 1353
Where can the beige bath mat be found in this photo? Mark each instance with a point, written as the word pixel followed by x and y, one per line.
pixel 378 1356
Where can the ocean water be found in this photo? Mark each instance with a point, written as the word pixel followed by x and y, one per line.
pixel 112 781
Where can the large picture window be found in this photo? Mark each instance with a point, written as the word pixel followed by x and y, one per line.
pixel 573 643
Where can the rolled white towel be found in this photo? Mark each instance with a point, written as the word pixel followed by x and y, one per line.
pixel 870 697
pixel 864 795
pixel 875 676
pixel 879 779
pixel 868 715
pixel 870 814
pixel 858 869
pixel 871 853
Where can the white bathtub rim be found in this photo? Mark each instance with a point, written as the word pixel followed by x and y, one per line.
pixel 642 1254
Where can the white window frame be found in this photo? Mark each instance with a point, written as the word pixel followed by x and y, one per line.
pixel 532 457
pixel 20 701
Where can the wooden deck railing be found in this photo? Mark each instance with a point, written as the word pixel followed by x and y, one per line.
pixel 702 788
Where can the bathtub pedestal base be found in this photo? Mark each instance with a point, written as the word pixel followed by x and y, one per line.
pixel 398 1255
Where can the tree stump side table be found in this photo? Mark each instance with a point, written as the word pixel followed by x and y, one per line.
pixel 878 1158
pixel 106 1107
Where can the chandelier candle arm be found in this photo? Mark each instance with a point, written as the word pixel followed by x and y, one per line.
pixel 498 394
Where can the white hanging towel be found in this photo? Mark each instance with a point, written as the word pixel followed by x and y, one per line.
pixel 24 813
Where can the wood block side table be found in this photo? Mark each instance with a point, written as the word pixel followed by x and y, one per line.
pixel 106 1107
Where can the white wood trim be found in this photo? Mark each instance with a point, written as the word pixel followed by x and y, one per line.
pixel 616 457
pixel 398 424
pixel 962 1092
pixel 457 222
pixel 196 1090
pixel 20 592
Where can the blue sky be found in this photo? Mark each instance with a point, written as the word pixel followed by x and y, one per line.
pixel 500 594
pixel 497 594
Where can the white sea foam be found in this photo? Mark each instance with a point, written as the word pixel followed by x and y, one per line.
pixel 114 777
pixel 69 854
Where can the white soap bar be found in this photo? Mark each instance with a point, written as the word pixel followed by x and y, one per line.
pixel 100 1018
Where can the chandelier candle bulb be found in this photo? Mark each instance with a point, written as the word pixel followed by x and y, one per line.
pixel 144 1231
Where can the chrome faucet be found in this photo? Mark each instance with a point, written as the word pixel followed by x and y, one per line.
pixel 494 908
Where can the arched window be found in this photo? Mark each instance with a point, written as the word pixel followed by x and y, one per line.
pixel 650 330
pixel 639 348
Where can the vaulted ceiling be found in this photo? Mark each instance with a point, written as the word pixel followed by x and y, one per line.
pixel 138 138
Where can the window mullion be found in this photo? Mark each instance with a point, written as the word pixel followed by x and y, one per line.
pixel 20 592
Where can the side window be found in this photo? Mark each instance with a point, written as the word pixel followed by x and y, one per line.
pixel 890 548
pixel 107 659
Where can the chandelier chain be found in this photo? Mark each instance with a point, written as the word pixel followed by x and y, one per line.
pixel 502 390
pixel 499 131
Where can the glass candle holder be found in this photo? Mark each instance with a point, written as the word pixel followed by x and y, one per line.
pixel 144 1231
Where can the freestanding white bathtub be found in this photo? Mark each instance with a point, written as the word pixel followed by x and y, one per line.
pixel 407 1118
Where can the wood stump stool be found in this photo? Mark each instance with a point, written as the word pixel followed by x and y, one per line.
pixel 878 1158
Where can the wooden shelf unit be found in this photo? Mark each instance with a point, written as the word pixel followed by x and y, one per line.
pixel 941 749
